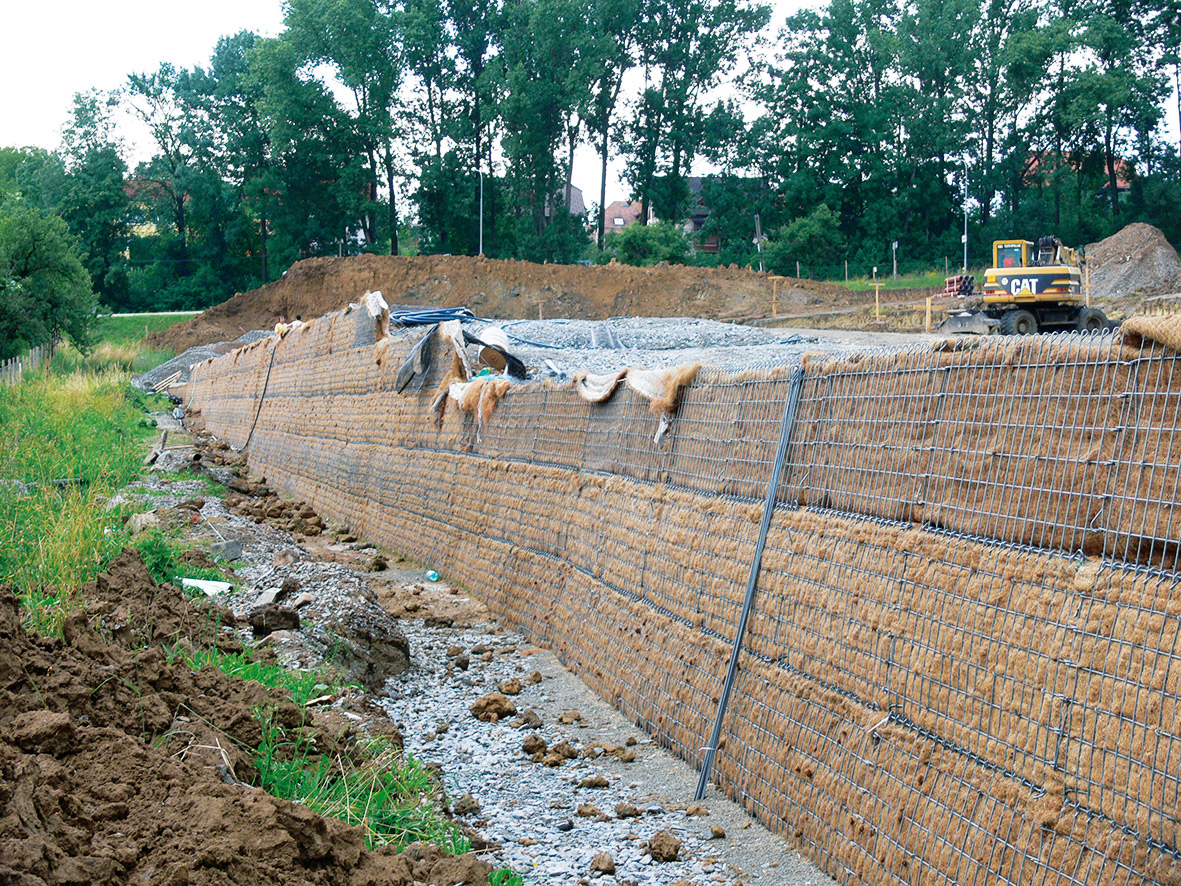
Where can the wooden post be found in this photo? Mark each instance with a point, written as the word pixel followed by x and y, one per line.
pixel 877 304
pixel 774 297
pixel 928 323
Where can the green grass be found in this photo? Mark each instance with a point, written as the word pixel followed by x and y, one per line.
pixel 129 330
pixel 212 487
pixel 505 877
pixel 926 279
pixel 388 795
pixel 162 554
pixel 303 685
pixel 71 442
pixel 132 358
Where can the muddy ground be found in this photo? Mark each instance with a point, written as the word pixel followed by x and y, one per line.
pixel 119 767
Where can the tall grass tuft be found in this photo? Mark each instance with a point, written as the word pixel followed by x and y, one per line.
pixel 68 444
pixel 303 685
pixel 388 795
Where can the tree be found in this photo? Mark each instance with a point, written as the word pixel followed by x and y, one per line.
pixel 689 45
pixel 813 240
pixel 46 291
pixel 10 160
pixel 317 187
pixel 640 244
pixel 1120 85
pixel 84 184
pixel 359 40
pixel 609 52
pixel 546 76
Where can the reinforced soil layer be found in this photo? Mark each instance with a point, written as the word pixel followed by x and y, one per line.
pixel 964 660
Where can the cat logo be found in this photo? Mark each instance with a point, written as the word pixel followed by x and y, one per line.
pixel 1018 285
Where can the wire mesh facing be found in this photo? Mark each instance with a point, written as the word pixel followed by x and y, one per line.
pixel 963 663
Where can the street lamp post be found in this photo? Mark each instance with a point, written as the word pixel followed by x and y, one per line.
pixel 964 238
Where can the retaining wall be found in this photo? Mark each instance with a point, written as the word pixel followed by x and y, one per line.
pixel 963 663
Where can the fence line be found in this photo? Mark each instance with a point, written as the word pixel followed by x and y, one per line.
pixel 13 370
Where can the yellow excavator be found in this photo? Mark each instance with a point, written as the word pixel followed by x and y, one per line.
pixel 1030 287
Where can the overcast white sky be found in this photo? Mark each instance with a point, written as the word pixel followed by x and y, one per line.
pixel 51 50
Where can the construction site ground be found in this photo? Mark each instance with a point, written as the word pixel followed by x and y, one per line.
pixel 1131 265
pixel 590 808
pixel 551 781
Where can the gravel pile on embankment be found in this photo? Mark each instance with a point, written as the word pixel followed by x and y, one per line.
pixel 1135 260
pixel 565 347
pixel 184 362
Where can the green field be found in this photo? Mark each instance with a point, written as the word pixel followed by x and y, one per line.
pixel 926 279
pixel 124 329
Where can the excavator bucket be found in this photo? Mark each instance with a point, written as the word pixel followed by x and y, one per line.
pixel 967 323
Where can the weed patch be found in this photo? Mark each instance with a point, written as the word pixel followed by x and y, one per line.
pixel 388 795
pixel 303 685
pixel 69 443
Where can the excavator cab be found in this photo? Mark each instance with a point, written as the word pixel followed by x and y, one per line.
pixel 1010 253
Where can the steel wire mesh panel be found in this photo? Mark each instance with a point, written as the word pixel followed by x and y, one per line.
pixel 1143 520
pixel 940 680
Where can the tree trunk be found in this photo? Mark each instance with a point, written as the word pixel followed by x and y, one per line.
pixel 263 232
pixel 986 191
pixel 393 215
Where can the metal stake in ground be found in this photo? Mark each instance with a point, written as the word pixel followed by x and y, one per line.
pixel 789 416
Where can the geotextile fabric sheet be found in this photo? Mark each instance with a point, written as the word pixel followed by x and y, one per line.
pixel 963 663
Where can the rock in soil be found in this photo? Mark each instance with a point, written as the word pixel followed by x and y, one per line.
pixel 271 617
pixel 604 863
pixel 626 810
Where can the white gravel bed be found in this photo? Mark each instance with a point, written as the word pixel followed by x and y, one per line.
pixel 531 809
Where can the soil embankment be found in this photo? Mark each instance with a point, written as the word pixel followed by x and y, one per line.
pixel 501 289
pixel 1136 261
pixel 118 766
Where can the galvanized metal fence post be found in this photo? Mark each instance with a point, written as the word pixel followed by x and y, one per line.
pixel 789 414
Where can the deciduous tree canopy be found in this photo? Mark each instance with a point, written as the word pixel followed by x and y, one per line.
pixel 452 125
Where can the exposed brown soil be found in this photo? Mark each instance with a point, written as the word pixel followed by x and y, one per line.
pixel 127 607
pixel 1137 259
pixel 499 289
pixel 117 767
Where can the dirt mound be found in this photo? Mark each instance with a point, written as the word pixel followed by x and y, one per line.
pixel 117 767
pixel 127 607
pixel 1136 260
pixel 497 289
